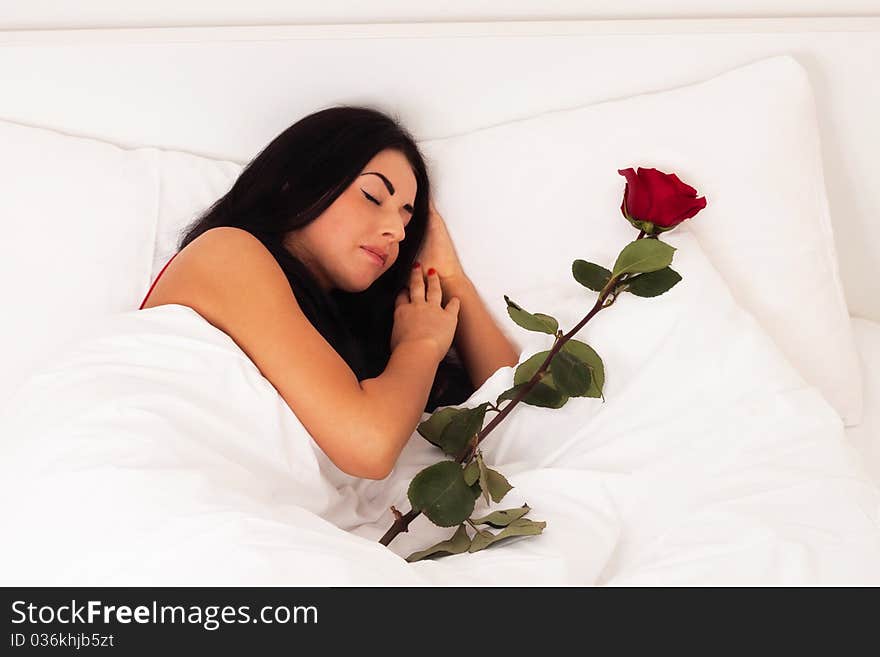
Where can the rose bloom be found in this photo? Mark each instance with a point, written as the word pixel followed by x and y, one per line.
pixel 657 200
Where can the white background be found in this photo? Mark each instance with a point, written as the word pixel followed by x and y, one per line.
pixel 44 14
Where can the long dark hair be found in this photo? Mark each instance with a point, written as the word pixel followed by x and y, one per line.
pixel 288 185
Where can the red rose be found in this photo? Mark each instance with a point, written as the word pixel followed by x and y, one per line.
pixel 653 199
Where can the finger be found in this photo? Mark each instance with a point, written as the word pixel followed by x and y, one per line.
pixel 453 306
pixel 416 284
pixel 434 292
pixel 402 297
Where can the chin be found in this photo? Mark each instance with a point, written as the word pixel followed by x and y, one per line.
pixel 359 281
pixel 356 286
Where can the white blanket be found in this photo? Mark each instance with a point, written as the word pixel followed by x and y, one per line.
pixel 155 453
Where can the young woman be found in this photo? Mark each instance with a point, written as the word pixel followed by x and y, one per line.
pixel 327 263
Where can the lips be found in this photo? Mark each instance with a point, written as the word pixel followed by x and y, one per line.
pixel 379 258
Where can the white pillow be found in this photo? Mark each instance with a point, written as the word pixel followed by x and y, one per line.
pixel 524 199
pixel 190 184
pixel 78 229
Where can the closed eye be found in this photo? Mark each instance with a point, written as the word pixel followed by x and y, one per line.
pixel 378 203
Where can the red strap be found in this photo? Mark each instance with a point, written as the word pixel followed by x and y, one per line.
pixel 156 281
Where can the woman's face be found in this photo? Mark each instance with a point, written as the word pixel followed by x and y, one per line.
pixel 369 213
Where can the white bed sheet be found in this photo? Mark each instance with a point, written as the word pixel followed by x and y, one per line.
pixel 866 436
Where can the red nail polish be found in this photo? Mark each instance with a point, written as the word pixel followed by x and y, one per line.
pixel 431 271
pixel 416 265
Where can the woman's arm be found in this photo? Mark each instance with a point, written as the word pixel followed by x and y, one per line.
pixel 229 277
pixel 479 341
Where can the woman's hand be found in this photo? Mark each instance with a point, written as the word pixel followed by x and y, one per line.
pixel 419 315
pixel 438 252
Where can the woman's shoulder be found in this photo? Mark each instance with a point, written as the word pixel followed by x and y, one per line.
pixel 220 258
pixel 221 242
pixel 225 250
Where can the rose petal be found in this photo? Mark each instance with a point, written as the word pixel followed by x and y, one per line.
pixel 683 188
pixel 664 195
pixel 638 199
pixel 698 204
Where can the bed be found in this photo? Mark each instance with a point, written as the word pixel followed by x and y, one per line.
pixel 864 435
pixel 119 467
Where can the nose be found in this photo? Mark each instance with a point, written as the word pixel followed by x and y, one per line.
pixel 393 225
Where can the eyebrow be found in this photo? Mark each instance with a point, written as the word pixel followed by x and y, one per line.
pixel 389 187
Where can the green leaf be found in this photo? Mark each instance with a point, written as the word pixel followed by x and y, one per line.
pixel 590 275
pixel 471 473
pixel 503 517
pixel 440 492
pixel 432 428
pixel 510 393
pixel 484 476
pixel 588 355
pixel 461 428
pixel 643 256
pixel 526 370
pixel 544 393
pixel 520 527
pixel 450 429
pixel 540 395
pixel 571 375
pixel 498 485
pixel 653 283
pixel 531 321
pixel 458 543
